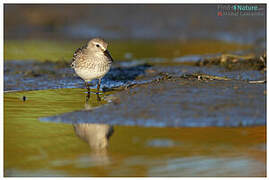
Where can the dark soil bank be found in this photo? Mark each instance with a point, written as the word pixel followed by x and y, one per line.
pixel 31 75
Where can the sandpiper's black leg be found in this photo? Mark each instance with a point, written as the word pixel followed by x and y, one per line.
pixel 89 91
pixel 98 85
pixel 88 87
pixel 87 97
pixel 98 97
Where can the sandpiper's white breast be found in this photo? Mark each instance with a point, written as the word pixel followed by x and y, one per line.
pixel 93 73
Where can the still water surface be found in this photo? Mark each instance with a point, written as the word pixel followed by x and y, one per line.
pixel 35 148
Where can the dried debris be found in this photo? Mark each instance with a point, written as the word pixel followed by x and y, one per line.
pixel 234 62
pixel 200 77
pixel 257 82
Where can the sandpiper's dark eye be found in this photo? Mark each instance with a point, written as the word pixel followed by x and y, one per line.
pixel 97 45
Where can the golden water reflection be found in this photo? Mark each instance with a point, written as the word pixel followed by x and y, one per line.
pixel 34 148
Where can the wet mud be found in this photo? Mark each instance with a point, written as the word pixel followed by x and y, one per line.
pixel 32 75
pixel 177 102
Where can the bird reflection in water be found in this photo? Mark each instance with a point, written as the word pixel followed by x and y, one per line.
pixel 96 135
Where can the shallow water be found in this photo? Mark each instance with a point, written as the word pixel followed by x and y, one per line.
pixel 54 149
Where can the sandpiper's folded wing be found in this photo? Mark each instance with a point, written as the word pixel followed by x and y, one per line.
pixel 77 55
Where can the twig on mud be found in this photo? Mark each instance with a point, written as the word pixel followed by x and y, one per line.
pixel 234 58
pixel 257 82
pixel 204 77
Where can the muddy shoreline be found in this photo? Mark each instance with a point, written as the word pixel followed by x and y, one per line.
pixel 150 94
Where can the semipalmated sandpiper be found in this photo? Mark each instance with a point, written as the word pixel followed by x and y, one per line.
pixel 92 61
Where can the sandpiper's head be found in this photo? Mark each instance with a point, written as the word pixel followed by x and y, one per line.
pixel 97 45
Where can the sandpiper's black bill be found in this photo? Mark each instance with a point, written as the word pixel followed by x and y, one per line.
pixel 107 54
